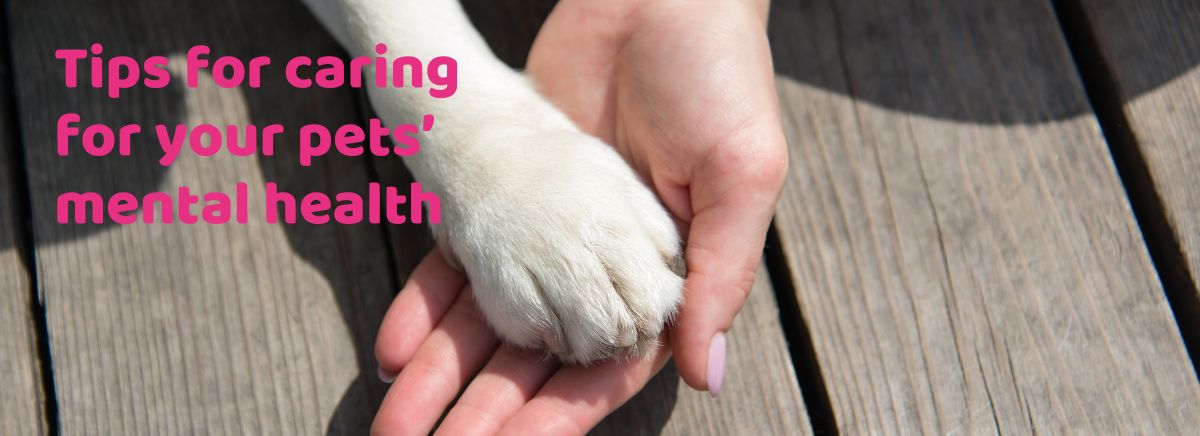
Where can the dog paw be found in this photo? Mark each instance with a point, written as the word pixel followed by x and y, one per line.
pixel 566 249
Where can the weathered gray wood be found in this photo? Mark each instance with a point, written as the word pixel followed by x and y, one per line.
pixel 21 398
pixel 198 329
pixel 173 328
pixel 1152 50
pixel 957 235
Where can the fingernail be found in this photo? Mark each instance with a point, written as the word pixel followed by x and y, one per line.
pixel 716 364
pixel 387 376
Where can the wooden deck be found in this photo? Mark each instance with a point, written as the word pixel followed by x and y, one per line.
pixel 991 225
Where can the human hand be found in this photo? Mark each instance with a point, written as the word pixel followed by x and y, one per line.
pixel 435 333
pixel 684 90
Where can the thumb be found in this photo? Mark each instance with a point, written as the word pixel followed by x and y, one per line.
pixel 724 248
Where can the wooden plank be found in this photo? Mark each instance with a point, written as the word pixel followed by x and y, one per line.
pixel 1152 51
pixel 171 329
pixel 258 346
pixel 22 409
pixel 957 235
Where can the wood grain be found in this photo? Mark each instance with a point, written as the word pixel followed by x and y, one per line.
pixel 1152 53
pixel 960 244
pixel 168 329
pixel 22 408
pixel 198 329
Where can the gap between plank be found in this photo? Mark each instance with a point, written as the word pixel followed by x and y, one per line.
pixel 799 339
pixel 1165 250
pixel 22 215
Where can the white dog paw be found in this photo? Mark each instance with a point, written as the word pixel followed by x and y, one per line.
pixel 566 249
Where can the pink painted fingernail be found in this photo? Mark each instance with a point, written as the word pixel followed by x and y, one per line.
pixel 387 376
pixel 716 364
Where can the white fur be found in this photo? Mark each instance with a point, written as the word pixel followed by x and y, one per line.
pixel 565 248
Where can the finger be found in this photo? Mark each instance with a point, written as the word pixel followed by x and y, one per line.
pixel 576 398
pixel 508 381
pixel 459 345
pixel 430 290
pixel 724 248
